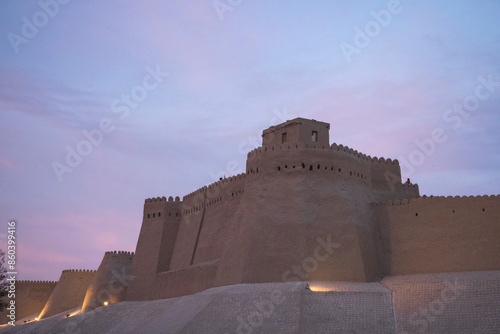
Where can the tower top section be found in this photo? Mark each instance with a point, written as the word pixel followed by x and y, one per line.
pixel 297 130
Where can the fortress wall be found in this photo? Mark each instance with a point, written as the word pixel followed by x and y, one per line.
pixel 31 297
pixel 284 211
pixel 155 245
pixel 69 292
pixel 438 234
pixel 185 281
pixel 110 282
pixel 218 217
pixel 192 211
pixel 382 174
pixel 343 161
pixel 205 216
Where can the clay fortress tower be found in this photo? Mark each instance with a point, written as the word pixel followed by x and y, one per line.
pixel 299 192
pixel 306 217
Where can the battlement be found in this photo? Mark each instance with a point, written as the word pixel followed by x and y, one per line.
pixel 36 282
pixel 194 193
pixel 435 198
pixel 227 180
pixel 79 271
pixel 431 234
pixel 162 199
pixel 334 147
pixel 110 282
pixel 213 193
pixel 120 253
pixel 69 291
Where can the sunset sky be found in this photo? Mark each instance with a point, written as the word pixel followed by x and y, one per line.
pixel 173 94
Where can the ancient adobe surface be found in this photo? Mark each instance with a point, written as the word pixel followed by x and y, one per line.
pixel 69 292
pixel 428 303
pixel 110 282
pixel 31 297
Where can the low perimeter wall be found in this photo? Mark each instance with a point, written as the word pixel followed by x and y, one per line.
pixel 187 281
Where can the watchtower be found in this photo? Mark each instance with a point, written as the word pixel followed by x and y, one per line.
pixel 297 130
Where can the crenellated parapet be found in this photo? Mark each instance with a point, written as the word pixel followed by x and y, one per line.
pixel 110 282
pixel 226 188
pixel 381 174
pixel 437 199
pixel 334 147
pixel 79 271
pixel 431 234
pixel 362 156
pixel 214 193
pixel 162 199
pixel 69 291
pixel 35 282
pixel 125 253
pixel 161 207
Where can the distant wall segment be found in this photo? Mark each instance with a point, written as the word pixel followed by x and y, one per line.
pixel 439 234
pixel 155 246
pixel 69 292
pixel 31 297
pixel 110 283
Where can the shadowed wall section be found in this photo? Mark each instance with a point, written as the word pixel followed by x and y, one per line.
pixel 31 297
pixel 155 245
pixel 298 198
pixel 110 282
pixel 69 292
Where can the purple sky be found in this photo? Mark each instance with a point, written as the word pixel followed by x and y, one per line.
pixel 384 86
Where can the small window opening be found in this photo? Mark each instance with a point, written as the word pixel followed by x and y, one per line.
pixel 314 136
pixel 416 214
pixel 303 165
pixel 279 168
pixel 340 170
pixel 311 167
pixel 149 216
pixel 283 137
pixel 159 214
pixel 153 215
